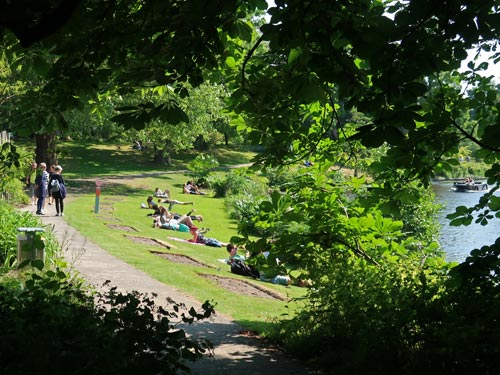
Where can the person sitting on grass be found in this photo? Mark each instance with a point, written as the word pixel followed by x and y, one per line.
pixel 161 194
pixel 152 205
pixel 191 188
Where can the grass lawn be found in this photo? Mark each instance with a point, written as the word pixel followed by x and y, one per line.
pixel 130 177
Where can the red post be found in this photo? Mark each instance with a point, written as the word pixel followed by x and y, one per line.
pixel 98 184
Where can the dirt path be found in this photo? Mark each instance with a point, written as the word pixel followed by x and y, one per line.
pixel 234 351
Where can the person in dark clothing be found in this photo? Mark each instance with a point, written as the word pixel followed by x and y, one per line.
pixel 41 183
pixel 58 189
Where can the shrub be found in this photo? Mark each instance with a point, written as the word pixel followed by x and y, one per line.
pixel 14 193
pixel 201 167
pixel 14 163
pixel 243 196
pixel 460 330
pixel 373 288
pixel 50 325
pixel 233 182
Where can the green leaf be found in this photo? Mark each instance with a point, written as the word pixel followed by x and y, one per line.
pixel 238 122
pixel 294 55
pixel 38 264
pixel 231 62
pixel 494 203
pixel 175 115
pixel 307 89
pixel 371 136
pixel 61 274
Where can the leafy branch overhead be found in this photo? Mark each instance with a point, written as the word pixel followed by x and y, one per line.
pixel 144 113
pixel 380 60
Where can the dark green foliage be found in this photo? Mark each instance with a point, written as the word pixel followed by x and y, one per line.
pixel 233 182
pixel 379 283
pixel 460 330
pixel 52 325
pixel 14 164
pixel 374 286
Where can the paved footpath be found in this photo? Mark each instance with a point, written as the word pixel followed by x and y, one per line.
pixel 233 353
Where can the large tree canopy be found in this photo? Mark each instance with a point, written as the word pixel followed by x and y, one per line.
pixel 317 79
pixel 319 57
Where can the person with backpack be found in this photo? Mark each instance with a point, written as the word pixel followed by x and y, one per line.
pixel 51 171
pixel 58 189
pixel 240 267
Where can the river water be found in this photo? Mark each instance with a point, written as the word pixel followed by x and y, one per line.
pixel 458 242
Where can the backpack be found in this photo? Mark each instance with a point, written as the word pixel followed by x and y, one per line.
pixel 239 267
pixel 54 185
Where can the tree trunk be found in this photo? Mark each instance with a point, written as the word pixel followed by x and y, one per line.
pixel 200 144
pixel 46 149
pixel 161 156
pixel 158 157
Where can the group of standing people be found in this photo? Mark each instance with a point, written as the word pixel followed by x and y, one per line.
pixel 46 184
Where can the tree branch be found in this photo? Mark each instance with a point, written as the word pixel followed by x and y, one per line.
pixel 245 62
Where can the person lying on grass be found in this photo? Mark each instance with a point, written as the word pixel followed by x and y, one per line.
pixel 171 202
pixel 171 224
pixel 199 237
pixel 168 214
pixel 240 267
pixel 191 188
pixel 164 217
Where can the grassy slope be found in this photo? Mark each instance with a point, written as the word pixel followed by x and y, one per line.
pixel 124 196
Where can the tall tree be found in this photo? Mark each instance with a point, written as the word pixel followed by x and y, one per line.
pixel 310 62
pixel 102 45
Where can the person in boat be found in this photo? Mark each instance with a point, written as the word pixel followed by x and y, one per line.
pixel 469 181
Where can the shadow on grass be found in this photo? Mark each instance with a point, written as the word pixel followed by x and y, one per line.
pixel 83 160
pixel 225 156
pixel 88 187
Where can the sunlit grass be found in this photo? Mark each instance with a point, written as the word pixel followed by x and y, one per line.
pixel 121 196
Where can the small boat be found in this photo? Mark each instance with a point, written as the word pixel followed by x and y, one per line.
pixel 470 187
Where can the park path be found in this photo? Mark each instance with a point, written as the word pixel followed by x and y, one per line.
pixel 234 352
